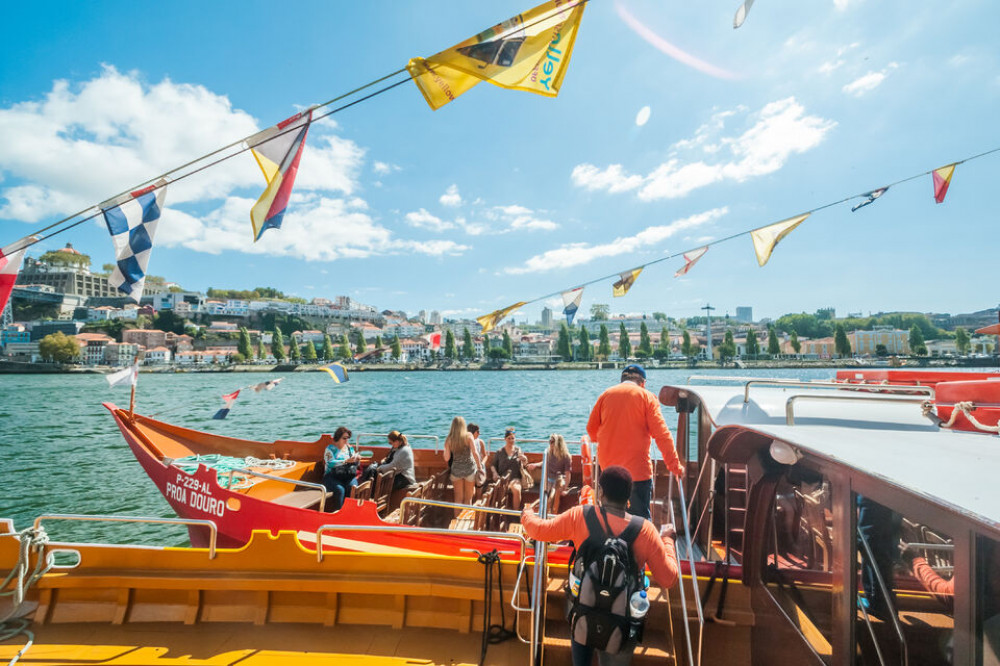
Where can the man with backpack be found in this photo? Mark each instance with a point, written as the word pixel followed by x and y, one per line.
pixel 613 549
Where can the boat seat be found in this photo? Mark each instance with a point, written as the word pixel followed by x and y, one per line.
pixel 383 490
pixel 303 499
pixel 362 491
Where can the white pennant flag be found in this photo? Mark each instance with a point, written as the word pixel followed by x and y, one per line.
pixel 571 303
pixel 125 377
pixel 690 258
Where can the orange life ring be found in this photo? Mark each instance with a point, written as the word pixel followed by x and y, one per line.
pixel 586 462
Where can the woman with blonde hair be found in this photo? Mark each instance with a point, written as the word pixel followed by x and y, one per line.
pixel 460 450
pixel 558 470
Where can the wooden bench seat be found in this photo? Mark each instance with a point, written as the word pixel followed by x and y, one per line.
pixel 303 499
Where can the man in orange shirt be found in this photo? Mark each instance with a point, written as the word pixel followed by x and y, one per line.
pixel 622 422
pixel 649 549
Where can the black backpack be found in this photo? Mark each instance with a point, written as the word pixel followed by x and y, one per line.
pixel 608 576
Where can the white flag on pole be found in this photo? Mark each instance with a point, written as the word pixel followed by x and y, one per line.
pixel 125 377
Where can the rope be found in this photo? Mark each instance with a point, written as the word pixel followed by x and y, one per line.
pixel 223 465
pixel 965 407
pixel 492 633
pixel 11 625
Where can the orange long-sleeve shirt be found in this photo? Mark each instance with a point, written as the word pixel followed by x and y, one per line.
pixel 623 420
pixel 649 549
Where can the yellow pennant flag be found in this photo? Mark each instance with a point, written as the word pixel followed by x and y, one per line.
pixel 528 52
pixel 767 238
pixel 489 322
pixel 628 278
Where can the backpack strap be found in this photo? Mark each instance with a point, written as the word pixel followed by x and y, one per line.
pixel 597 533
pixel 631 532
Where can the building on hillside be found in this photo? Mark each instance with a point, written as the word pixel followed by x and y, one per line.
pixel 181 302
pixel 71 280
pixel 92 347
pixel 896 341
pixel 147 337
pixel 120 354
pixel 819 347
pixel 943 347
pixel 546 317
pixel 157 356
pixel 435 318
pixel 744 314
pixel 219 326
pixel 40 329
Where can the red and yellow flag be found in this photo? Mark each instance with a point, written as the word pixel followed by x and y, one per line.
pixel 489 322
pixel 942 179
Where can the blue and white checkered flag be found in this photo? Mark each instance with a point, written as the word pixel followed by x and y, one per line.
pixel 132 220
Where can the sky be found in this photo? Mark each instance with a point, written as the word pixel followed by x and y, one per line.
pixel 671 130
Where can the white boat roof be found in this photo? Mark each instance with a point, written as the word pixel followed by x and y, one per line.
pixel 891 441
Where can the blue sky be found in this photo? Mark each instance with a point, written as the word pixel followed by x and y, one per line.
pixel 503 196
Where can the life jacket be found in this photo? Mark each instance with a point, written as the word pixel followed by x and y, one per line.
pixel 603 578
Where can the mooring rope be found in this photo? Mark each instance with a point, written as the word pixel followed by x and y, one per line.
pixel 12 624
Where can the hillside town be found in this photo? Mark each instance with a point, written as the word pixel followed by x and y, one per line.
pixel 65 312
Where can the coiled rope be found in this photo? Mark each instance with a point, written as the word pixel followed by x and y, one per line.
pixel 965 407
pixel 13 624
pixel 223 465
pixel 492 633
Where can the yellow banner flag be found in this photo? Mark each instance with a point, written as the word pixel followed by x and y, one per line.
pixel 767 238
pixel 528 52
pixel 489 322
pixel 628 278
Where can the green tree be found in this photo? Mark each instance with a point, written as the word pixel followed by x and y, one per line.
pixel 450 348
pixel 244 347
pixel 261 351
pixel 603 344
pixel 660 316
pixel 294 353
pixel 793 340
pixel 168 320
pixel 624 344
pixel 917 344
pixel 841 345
pixel 645 342
pixel 468 349
pixel 881 350
pixel 753 345
pixel 585 351
pixel 327 351
pixel 599 311
pixel 498 354
pixel 686 347
pixel 564 347
pixel 360 346
pixel 237 358
pixel 773 346
pixel 309 354
pixel 508 344
pixel 727 349
pixel 664 344
pixel 397 348
pixel 344 351
pixel 278 345
pixel 59 347
pixel 64 258
pixel 378 342
pixel 962 342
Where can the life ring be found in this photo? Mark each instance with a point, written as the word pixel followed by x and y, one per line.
pixel 586 462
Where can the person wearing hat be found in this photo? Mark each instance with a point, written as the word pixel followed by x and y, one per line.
pixel 657 551
pixel 622 421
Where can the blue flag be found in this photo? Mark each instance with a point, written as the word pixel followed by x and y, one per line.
pixel 337 372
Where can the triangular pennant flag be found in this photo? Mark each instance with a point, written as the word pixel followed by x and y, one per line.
pixel 229 399
pixel 942 179
pixel 489 321
pixel 571 303
pixel 528 52
pixel 872 196
pixel 132 220
pixel 627 279
pixel 337 372
pixel 277 150
pixel 741 13
pixel 125 377
pixel 690 259
pixel 10 264
pixel 434 339
pixel 767 238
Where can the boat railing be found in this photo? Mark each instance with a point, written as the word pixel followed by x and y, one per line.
pixel 695 591
pixel 489 442
pixel 297 482
pixel 790 403
pixel 212 528
pixel 749 382
pixel 383 435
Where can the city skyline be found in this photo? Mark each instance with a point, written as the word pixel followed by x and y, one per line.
pixel 503 196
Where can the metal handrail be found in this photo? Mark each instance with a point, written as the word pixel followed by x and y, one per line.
pixel 540 587
pixel 437 440
pixel 696 593
pixel 489 442
pixel 213 529
pixel 904 651
pixel 309 484
pixel 789 404
pixel 452 505
pixel 925 390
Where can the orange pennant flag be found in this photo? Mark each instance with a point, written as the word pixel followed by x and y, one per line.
pixel 767 238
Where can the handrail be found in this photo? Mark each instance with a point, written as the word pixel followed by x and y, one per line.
pixel 696 593
pixel 489 442
pixel 904 651
pixel 309 484
pixel 924 390
pixel 541 571
pixel 213 529
pixel 452 505
pixel 437 439
pixel 790 403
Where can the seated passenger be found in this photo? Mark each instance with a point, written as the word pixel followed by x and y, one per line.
pixel 557 470
pixel 341 467
pixel 510 459
pixel 399 460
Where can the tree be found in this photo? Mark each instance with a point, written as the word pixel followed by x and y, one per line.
pixel 294 353
pixel 237 358
pixel 585 349
pixel 309 354
pixel 397 348
pixel 244 347
pixel 564 348
pixel 603 344
pixel 727 349
pixel 261 351
pixel 168 320
pixel 508 344
pixel 753 345
pixel 624 344
pixel 773 347
pixel 881 350
pixel 962 342
pixel 468 349
pixel 360 346
pixel 660 316
pixel 664 344
pixel 327 351
pixel 378 342
pixel 599 311
pixel 645 342
pixel 59 347
pixel 344 351
pixel 917 345
pixel 793 340
pixel 498 354
pixel 278 345
pixel 686 347
pixel 841 345
pixel 450 349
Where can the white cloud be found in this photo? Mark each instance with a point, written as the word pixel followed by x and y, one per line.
pixel 515 217
pixel 384 168
pixel 642 117
pixel 868 82
pixel 422 219
pixel 830 67
pixel 576 254
pixel 451 197
pixel 780 130
pixel 842 5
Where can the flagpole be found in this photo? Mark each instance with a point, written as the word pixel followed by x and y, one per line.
pixel 135 378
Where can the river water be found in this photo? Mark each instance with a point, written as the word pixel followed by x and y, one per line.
pixel 60 451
